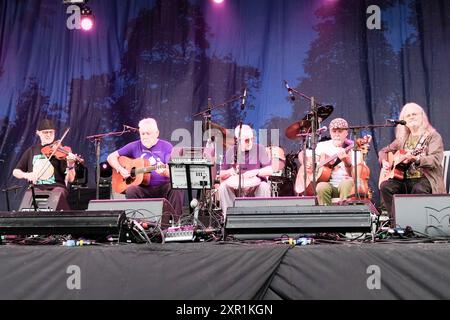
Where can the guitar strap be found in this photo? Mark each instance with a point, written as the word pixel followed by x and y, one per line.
pixel 422 141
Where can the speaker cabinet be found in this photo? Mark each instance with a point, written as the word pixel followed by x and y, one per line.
pixel 425 213
pixel 275 202
pixel 46 200
pixel 274 222
pixel 81 223
pixel 153 210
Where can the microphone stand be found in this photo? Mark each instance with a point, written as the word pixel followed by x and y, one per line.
pixel 314 119
pixel 355 132
pixel 6 191
pixel 236 153
pixel 96 139
pixel 238 147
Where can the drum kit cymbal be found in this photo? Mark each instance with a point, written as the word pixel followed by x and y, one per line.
pixel 227 137
pixel 303 127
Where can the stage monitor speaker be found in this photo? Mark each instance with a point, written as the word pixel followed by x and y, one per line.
pixel 425 213
pixel 46 200
pixel 274 202
pixel 80 223
pixel 157 210
pixel 275 222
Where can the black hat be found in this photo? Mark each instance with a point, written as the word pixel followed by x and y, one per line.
pixel 46 124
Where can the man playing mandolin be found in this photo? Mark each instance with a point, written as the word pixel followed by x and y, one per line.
pixel 53 174
pixel 416 166
pixel 255 166
pixel 156 152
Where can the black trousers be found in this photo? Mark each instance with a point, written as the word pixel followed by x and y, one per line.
pixel 408 186
pixel 175 197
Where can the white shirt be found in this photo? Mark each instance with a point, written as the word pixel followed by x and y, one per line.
pixel 339 172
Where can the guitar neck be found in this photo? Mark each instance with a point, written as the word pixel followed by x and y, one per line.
pixel 149 169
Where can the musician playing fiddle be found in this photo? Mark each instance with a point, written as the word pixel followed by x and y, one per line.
pixel 420 147
pixel 339 181
pixel 157 152
pixel 53 174
pixel 255 166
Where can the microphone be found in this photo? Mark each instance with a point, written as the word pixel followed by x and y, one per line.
pixel 289 89
pixel 396 122
pixel 195 205
pixel 321 130
pixel 130 128
pixel 244 98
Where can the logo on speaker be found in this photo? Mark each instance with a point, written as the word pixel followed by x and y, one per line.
pixel 438 218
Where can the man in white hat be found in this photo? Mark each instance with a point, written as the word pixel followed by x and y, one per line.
pixel 341 182
pixel 255 166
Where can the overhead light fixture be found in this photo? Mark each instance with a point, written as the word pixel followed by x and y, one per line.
pixel 87 18
pixel 74 1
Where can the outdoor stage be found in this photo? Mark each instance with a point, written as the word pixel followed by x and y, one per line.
pixel 223 271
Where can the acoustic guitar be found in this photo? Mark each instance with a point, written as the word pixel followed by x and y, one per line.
pixel 397 166
pixel 139 169
pixel 323 174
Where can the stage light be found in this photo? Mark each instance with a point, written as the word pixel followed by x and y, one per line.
pixel 74 1
pixel 105 170
pixel 87 19
pixel 218 1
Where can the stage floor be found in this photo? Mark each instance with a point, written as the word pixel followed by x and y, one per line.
pixel 227 271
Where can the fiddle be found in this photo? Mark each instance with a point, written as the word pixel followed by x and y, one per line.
pixel 59 152
pixel 363 169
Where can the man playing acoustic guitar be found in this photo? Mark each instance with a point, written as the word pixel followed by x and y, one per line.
pixel 416 166
pixel 149 155
pixel 340 182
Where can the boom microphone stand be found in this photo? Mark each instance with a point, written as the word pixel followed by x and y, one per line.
pixel 97 139
pixel 314 119
pixel 355 132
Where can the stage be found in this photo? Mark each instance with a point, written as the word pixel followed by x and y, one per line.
pixel 227 271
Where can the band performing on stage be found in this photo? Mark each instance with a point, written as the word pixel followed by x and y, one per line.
pixel 333 171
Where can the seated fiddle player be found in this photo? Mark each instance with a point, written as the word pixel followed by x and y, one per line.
pixel 421 148
pixel 255 167
pixel 158 152
pixel 340 183
pixel 34 166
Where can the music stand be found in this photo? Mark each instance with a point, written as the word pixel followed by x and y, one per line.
pixel 192 171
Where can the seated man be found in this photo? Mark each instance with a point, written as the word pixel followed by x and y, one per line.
pixel 340 182
pixel 255 166
pixel 422 158
pixel 158 152
pixel 52 175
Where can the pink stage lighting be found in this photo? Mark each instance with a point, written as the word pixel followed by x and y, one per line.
pixel 218 1
pixel 87 22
